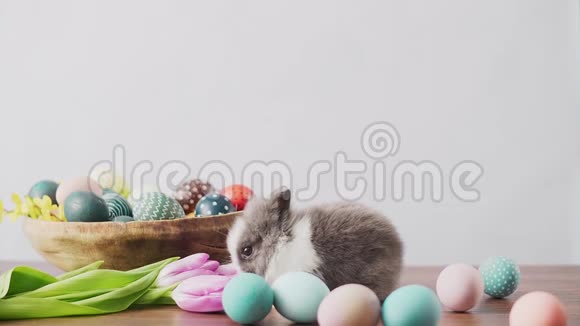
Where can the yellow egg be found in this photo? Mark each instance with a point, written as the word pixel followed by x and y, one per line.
pixel 350 305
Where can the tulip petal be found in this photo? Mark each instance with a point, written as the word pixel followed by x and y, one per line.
pixel 194 261
pixel 201 293
pixel 203 284
pixel 176 278
pixel 228 269
pixel 211 265
pixel 211 303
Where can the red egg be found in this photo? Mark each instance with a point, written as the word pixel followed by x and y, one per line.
pixel 238 195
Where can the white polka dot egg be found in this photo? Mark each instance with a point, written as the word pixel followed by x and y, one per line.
pixel 501 276
pixel 214 204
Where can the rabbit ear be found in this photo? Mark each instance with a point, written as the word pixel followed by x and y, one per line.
pixel 280 200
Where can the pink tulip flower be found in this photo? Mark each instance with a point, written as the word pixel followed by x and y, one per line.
pixel 201 293
pixel 174 279
pixel 211 265
pixel 228 270
pixel 188 263
pixel 190 266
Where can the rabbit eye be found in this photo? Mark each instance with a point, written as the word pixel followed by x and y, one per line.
pixel 247 252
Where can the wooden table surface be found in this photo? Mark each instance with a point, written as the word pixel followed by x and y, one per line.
pixel 563 281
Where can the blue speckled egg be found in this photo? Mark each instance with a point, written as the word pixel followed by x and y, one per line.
pixel 214 204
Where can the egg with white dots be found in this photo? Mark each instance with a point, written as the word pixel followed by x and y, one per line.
pixel 214 204
pixel 501 276
pixel 189 193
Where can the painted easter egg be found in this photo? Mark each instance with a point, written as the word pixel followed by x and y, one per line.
pixel 501 276
pixel 538 309
pixel 350 304
pixel 77 184
pixel 411 305
pixel 238 195
pixel 247 298
pixel 123 219
pixel 297 296
pixel 157 206
pixel 214 204
pixel 137 194
pixel 189 193
pixel 85 206
pixel 44 188
pixel 118 206
pixel 459 287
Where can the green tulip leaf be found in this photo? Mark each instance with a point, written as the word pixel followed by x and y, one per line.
pixel 29 293
pixel 88 268
pixel 157 296
pixel 23 279
pixel 28 308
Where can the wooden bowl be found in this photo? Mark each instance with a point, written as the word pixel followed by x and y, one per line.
pixel 124 246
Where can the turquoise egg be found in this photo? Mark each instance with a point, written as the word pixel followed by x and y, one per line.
pixel 85 206
pixel 247 298
pixel 501 276
pixel 411 305
pixel 297 296
pixel 118 206
pixel 44 188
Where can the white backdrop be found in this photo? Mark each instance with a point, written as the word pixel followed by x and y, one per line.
pixel 297 81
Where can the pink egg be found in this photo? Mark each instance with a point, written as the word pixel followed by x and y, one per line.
pixel 69 186
pixel 459 287
pixel 350 305
pixel 538 309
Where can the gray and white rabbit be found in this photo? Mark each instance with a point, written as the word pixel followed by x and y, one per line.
pixel 341 243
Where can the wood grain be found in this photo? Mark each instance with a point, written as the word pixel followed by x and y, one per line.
pixel 563 281
pixel 124 246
